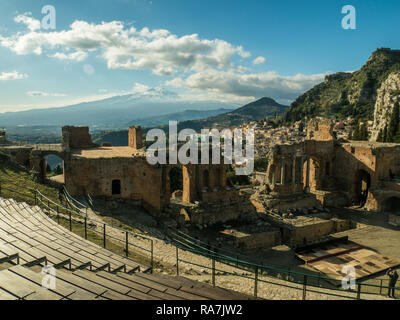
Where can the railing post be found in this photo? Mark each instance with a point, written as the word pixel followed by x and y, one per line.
pixel 58 215
pixel 70 221
pixel 126 244
pixel 35 193
pixel 359 291
pixel 152 256
pixel 256 282
pixel 104 235
pixel 85 228
pixel 213 270
pixel 304 287
pixel 380 288
pixel 177 261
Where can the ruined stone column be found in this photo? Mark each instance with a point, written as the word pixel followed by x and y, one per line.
pixel 308 175
pixel 301 170
pixel 273 178
pixel 294 171
pixel 283 171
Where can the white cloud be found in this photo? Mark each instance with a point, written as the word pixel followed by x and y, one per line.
pixel 202 66
pixel 14 75
pixel 259 60
pixel 75 56
pixel 125 48
pixel 26 18
pixel 44 94
pixel 250 85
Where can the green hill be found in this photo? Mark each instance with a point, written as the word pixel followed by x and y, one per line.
pixel 256 110
pixel 347 94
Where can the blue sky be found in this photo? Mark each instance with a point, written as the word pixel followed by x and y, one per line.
pixel 231 51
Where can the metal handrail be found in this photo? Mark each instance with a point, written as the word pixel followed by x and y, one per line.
pixel 72 200
pixel 94 220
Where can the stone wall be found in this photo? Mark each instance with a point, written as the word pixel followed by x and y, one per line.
pixel 260 240
pixel 138 179
pixel 76 138
pixel 135 137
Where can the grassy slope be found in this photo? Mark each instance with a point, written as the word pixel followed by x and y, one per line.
pixel 17 183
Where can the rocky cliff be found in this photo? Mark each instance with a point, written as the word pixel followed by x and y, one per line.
pixel 388 96
pixel 347 94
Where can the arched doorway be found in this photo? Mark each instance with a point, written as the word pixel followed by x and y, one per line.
pixel 362 184
pixel 54 167
pixel 392 205
pixel 175 179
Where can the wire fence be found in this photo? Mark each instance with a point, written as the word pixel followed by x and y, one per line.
pixel 120 241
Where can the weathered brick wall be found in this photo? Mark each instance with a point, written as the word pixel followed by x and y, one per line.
pixel 138 179
pixel 76 138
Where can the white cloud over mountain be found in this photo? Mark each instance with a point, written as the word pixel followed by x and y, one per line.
pixel 45 94
pixel 199 65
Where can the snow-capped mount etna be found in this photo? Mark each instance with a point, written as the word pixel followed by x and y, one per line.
pixel 114 112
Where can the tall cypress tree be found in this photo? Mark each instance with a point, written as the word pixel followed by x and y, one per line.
pixel 380 136
pixel 393 124
pixel 384 136
pixel 356 132
pixel 363 134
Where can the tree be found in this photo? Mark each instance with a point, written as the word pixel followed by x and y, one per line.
pixel 58 170
pixel 363 134
pixel 384 135
pixel 356 132
pixel 260 164
pixel 393 125
pixel 360 132
pixel 380 136
pixel 48 168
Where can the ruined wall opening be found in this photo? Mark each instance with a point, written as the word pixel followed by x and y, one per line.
pixel 392 205
pixel 116 187
pixel 43 169
pixel 206 179
pixel 219 177
pixel 361 187
pixel 55 164
pixel 314 174
pixel 176 179
pixel 328 168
